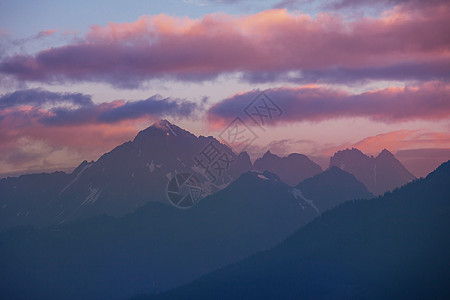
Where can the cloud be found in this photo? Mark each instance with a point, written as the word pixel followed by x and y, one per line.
pixel 418 71
pixel 353 4
pixel 54 109
pixel 154 105
pixel 404 139
pixel 43 129
pixel 207 2
pixel 40 97
pixel 428 101
pixel 341 4
pixel 270 44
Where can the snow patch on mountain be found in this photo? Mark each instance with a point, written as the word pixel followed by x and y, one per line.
pixel 262 177
pixel 87 166
pixel 297 193
pixel 94 193
pixel 151 167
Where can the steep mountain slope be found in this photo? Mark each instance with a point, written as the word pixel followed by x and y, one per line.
pixel 332 187
pixel 24 199
pixel 392 247
pixel 153 249
pixel 129 176
pixel 291 169
pixel 379 174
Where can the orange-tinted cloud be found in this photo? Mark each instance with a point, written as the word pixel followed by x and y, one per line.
pixel 404 139
pixel 266 46
pixel 420 151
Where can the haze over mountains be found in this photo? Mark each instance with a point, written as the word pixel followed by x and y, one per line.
pixel 292 169
pixel 120 181
pixel 392 247
pixel 380 174
pixel 159 247
pixel 137 172
pixel 107 231
pixel 311 158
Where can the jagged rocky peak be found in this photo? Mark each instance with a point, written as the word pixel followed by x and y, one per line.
pixel 161 128
pixel 291 169
pixel 386 154
pixel 162 124
pixel 380 174
pixel 244 155
pixel 269 154
pixel 353 152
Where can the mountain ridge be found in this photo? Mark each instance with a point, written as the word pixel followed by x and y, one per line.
pixel 392 247
pixel 292 169
pixel 380 174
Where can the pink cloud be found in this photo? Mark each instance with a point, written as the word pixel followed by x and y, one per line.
pixel 45 33
pixel 404 139
pixel 420 151
pixel 398 45
pixel 35 124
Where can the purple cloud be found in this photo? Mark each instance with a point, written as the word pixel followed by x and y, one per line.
pixel 425 102
pixel 82 110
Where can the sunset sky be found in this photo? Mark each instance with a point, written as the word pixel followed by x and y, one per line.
pixel 78 78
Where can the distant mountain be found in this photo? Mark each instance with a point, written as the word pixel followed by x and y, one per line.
pixel 122 180
pixel 392 247
pixel 332 187
pixel 292 169
pixel 158 246
pixel 379 174
pixel 153 249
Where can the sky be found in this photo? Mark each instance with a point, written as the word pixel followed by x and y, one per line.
pixel 78 78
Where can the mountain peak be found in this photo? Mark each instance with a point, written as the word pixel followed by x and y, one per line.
pixel 162 124
pixel 379 174
pixel 291 169
pixel 350 152
pixel 268 154
pixel 386 153
pixel 335 170
pixel 161 128
pixel 244 154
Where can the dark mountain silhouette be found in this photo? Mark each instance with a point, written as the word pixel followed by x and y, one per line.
pixel 391 247
pixel 153 249
pixel 158 246
pixel 120 181
pixel 332 187
pixel 379 174
pixel 292 169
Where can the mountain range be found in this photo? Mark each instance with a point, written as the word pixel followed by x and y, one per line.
pixel 391 247
pixel 292 169
pixel 137 172
pixel 131 175
pixel 158 247
pixel 107 230
pixel 380 174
